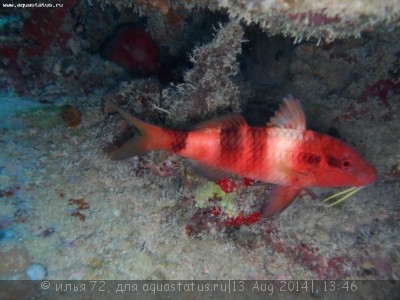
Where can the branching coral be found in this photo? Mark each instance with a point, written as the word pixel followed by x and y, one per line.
pixel 207 87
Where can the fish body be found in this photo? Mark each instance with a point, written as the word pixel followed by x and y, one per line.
pixel 284 153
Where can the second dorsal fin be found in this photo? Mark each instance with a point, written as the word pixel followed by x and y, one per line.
pixel 290 115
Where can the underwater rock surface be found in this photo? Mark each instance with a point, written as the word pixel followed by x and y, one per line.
pixel 66 206
pixel 323 20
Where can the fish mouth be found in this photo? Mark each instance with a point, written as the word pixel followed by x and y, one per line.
pixel 367 177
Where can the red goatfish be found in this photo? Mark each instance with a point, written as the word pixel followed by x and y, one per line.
pixel 284 153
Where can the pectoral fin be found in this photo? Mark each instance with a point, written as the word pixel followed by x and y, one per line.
pixel 280 199
pixel 295 175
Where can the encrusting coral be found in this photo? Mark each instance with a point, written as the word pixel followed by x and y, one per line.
pixel 302 19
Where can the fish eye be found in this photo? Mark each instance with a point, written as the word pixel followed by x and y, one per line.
pixel 345 163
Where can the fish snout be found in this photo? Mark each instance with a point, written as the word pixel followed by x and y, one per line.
pixel 366 176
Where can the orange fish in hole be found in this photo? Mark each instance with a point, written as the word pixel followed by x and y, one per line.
pixel 283 153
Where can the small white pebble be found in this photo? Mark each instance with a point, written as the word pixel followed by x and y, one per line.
pixel 36 272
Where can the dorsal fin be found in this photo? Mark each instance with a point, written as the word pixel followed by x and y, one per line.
pixel 290 115
pixel 222 122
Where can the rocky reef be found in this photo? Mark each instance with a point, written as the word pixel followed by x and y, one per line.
pixel 68 211
pixel 302 19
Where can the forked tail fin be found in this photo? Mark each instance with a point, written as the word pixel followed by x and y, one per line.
pixel 150 137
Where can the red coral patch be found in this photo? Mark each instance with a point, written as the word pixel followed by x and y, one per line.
pixel 133 49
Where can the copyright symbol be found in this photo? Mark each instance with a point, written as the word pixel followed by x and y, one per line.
pixel 45 285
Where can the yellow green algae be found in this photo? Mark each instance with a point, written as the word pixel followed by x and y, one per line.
pixel 211 190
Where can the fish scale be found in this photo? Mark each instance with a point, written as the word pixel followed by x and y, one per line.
pixel 257 144
pixel 231 147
